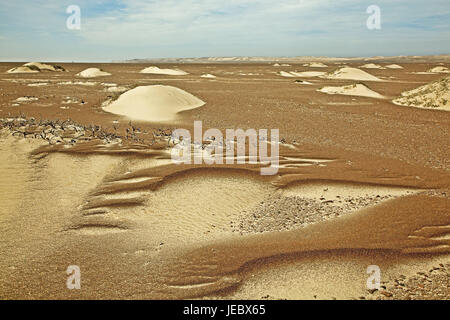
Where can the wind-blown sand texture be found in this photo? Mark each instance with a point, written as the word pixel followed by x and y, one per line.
pixel 357 89
pixel 361 182
pixel 435 95
pixel 153 103
pixel 372 66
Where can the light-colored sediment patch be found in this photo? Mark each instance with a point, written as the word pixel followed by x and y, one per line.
pixel 38 84
pixel 358 89
pixel 208 75
pixel 170 72
pixel 153 103
pixel 435 95
pixel 79 83
pixel 348 73
pixel 26 99
pixel 439 69
pixel 92 73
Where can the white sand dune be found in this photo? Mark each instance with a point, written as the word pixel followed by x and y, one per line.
pixel 435 95
pixel 35 67
pixel 315 65
pixel 170 72
pixel 348 73
pixel 439 69
pixel 153 103
pixel 372 66
pixel 358 89
pixel 92 73
pixel 208 75
pixel 394 66
pixel 26 99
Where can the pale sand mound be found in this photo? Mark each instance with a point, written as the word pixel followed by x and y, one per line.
pixel 372 66
pixel 170 72
pixel 435 95
pixel 394 66
pixel 348 73
pixel 92 73
pixel 315 65
pixel 439 69
pixel 43 66
pixel 153 103
pixel 34 67
pixel 23 70
pixel 208 75
pixel 358 89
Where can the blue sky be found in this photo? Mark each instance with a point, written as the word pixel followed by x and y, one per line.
pixel 117 30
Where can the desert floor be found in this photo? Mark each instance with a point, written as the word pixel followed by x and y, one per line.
pixel 362 181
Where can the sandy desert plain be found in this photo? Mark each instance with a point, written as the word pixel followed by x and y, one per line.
pixel 363 179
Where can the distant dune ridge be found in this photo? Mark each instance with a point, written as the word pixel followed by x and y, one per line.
pixel 347 73
pixel 357 89
pixel 153 103
pixel 92 73
pixel 170 72
pixel 435 95
pixel 35 67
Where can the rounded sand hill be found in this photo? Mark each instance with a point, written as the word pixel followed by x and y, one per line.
pixel 92 73
pixel 153 103
pixel 358 89
pixel 348 73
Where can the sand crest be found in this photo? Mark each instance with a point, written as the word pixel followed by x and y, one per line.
pixel 439 69
pixel 286 74
pixel 435 95
pixel 347 73
pixel 92 73
pixel 315 65
pixel 170 72
pixel 358 89
pixel 153 103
